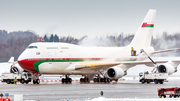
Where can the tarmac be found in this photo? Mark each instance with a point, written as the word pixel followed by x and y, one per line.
pixel 56 91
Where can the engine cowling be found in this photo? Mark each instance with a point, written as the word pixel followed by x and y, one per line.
pixel 16 69
pixel 115 72
pixel 166 68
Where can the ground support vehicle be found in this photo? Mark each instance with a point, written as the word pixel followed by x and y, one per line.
pixel 24 77
pixel 172 92
pixel 152 77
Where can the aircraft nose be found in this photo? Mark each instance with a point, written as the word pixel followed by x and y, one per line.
pixel 26 62
pixel 27 65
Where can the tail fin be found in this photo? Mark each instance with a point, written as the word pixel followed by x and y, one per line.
pixel 11 60
pixel 144 34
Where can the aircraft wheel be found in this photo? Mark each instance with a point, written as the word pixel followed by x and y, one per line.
pixel 34 81
pixel 95 80
pixel 62 80
pixel 98 79
pixel 108 80
pixel 102 80
pixel 87 80
pixel 82 80
pixel 38 81
pixel 69 80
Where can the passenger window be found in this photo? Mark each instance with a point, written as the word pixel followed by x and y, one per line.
pixel 30 47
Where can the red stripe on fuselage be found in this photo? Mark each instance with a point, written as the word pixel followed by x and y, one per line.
pixel 27 65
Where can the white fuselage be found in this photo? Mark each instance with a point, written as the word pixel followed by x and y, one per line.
pixel 60 58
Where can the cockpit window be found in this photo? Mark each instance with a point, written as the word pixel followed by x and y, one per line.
pixel 30 47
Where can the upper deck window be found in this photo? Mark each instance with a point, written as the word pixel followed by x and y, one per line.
pixel 30 47
pixel 52 47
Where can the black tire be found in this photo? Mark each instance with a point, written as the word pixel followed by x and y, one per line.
pixel 62 80
pixel 27 82
pixel 170 96
pixel 160 96
pixel 87 80
pixel 161 82
pixel 108 80
pixel 22 81
pixel 174 96
pixel 82 80
pixel 156 81
pixel 8 81
pixel 34 81
pixel 164 96
pixel 98 79
pixel 70 80
pixel 142 81
pixel 102 80
pixel 105 80
pixel 37 81
pixel 95 80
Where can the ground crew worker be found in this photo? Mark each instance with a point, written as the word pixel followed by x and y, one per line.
pixel 15 80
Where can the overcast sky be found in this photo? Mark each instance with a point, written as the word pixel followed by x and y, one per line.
pixel 87 17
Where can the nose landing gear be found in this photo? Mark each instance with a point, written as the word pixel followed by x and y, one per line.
pixel 36 79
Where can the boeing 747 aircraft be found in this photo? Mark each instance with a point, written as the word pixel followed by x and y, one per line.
pixel 100 64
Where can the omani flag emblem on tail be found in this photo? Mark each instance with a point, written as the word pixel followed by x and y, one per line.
pixel 147 25
pixel 143 36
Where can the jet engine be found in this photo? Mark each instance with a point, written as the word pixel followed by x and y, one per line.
pixel 166 68
pixel 114 72
pixel 16 69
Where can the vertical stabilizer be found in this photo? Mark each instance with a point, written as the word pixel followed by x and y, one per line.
pixel 143 36
pixel 11 59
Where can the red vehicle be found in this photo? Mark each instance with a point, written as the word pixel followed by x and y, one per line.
pixel 172 92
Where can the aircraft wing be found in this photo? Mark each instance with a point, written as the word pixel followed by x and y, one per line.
pixel 98 65
pixel 161 51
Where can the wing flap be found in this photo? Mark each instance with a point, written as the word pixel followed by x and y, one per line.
pixel 168 50
pixel 94 65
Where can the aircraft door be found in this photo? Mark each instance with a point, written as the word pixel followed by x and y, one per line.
pixel 49 57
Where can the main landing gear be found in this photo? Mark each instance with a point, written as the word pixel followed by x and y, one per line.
pixel 98 79
pixel 84 80
pixel 36 79
pixel 66 80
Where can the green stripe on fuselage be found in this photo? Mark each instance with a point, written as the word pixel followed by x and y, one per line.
pixel 36 64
